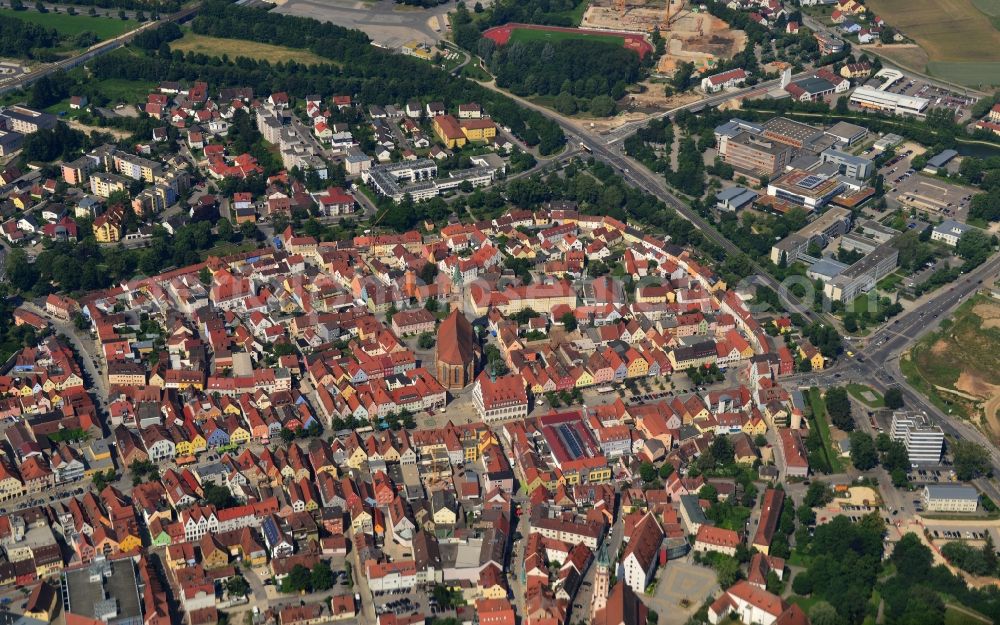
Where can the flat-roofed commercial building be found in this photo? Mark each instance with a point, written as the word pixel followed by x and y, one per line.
pixel 847 134
pixel 923 440
pixel 757 155
pixel 725 132
pixel 793 133
pixel 856 167
pixel 862 276
pixel 806 189
pixel 876 99
pixel 834 222
pixel 950 498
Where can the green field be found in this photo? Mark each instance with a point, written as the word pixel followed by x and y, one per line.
pixel 473 71
pixel 576 15
pixel 531 34
pixel 858 392
pixel 989 7
pixel 217 46
pixel 970 74
pixel 960 39
pixel 960 615
pixel 964 355
pixel 822 422
pixel 120 90
pixel 72 25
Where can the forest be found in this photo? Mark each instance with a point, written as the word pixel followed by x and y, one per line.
pixel 582 68
pixel 22 39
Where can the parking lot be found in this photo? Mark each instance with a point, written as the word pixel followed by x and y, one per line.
pixel 389 25
pixel 933 196
pixel 939 97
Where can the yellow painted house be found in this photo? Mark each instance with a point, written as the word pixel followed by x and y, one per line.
pixel 637 368
pixel 448 131
pixel 130 543
pixel 584 379
pixel 809 352
pixel 107 227
pixel 198 443
pixel 182 448
pixel 10 486
pixel 755 426
pixel 357 458
pixel 479 130
pixel 239 436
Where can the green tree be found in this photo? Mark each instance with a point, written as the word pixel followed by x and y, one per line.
pixel 822 613
pixel 838 405
pixel 568 320
pixel 299 580
pixel 893 398
pixel 602 106
pixel 974 246
pixel 648 472
pixel 426 340
pixel 727 570
pixel 971 460
pixel 321 577
pixel 237 586
pixel 863 452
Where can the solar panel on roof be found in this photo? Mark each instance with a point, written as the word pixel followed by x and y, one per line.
pixel 810 182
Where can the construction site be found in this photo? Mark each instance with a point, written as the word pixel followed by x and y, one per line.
pixel 692 35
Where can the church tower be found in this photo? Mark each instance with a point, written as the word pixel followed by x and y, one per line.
pixel 602 582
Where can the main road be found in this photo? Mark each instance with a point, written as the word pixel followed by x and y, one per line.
pixel 603 147
pixel 878 362
pixel 94 51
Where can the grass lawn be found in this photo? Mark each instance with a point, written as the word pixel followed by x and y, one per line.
pixel 821 421
pixel 804 602
pixel 217 46
pixel 120 90
pixel 917 381
pixel 798 559
pixel 858 392
pixel 969 73
pixel 473 71
pixel 72 25
pixel 576 14
pixel 531 34
pixel 890 282
pixel 959 615
pixel 226 248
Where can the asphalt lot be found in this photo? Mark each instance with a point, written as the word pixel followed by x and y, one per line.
pixel 389 25
pixel 939 97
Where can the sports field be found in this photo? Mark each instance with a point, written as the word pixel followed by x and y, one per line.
pixel 72 25
pixel 217 46
pixel 960 37
pixel 525 34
